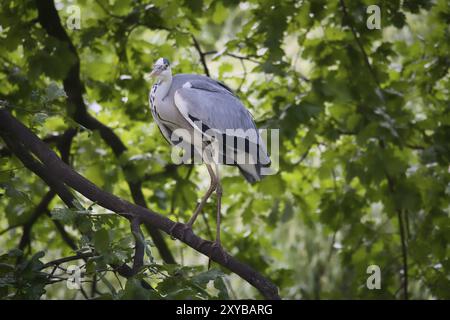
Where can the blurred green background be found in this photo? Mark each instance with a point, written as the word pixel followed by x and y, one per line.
pixel 364 146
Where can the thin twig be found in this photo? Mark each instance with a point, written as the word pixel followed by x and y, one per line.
pixel 68 259
pixel 202 56
pixel 359 43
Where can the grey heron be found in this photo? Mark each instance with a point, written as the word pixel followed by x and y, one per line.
pixel 206 107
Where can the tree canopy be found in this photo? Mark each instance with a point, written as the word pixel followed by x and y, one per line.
pixel 364 149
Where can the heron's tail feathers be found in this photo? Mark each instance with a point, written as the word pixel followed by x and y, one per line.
pixel 252 172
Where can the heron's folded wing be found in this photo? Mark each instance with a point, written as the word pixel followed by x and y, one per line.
pixel 213 105
pixel 210 107
pixel 211 85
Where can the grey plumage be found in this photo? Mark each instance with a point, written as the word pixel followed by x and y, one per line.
pixel 208 110
pixel 192 98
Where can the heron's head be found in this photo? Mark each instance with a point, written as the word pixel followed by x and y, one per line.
pixel 161 69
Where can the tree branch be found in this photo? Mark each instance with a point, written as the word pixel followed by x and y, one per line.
pixel 59 261
pixel 14 131
pixel 58 187
pixel 401 226
pixel 202 56
pixel 38 212
pixel 233 55
pixel 64 143
pixel 138 260
pixel 51 139
pixel 359 43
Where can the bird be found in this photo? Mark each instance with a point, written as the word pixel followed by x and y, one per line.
pixel 199 105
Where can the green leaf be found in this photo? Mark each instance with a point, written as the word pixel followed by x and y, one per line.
pixel 194 5
pixel 220 13
pixel 203 278
pixel 39 118
pixel 65 215
pixel 134 291
pixel 101 240
pixel 54 92
pixel 219 284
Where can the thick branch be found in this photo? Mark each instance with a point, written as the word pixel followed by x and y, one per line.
pixel 12 128
pixel 64 143
pixel 38 168
pixel 59 188
pixel 51 139
pixel 139 249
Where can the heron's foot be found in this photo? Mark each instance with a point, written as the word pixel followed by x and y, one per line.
pixel 216 246
pixel 184 228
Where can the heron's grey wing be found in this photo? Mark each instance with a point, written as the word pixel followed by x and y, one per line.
pixel 215 106
pixel 206 104
pixel 219 110
pixel 211 85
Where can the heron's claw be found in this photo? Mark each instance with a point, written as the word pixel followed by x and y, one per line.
pixel 216 246
pixel 184 228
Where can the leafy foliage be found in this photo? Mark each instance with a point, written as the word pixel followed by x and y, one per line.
pixel 364 146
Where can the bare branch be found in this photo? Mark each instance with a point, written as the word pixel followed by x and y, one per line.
pixel 38 212
pixel 202 56
pixel 68 259
pixel 233 55
pixel 138 260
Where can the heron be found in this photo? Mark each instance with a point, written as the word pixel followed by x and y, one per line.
pixel 200 105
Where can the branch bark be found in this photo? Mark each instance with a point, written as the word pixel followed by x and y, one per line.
pixel 15 133
pixel 63 143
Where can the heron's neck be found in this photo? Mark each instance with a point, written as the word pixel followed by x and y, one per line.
pixel 163 88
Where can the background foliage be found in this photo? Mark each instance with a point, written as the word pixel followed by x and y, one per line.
pixel 364 135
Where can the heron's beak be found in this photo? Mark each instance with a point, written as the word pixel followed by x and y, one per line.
pixel 155 73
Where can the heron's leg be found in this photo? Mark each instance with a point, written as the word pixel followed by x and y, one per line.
pixel 217 244
pixel 219 205
pixel 199 208
pixel 205 198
